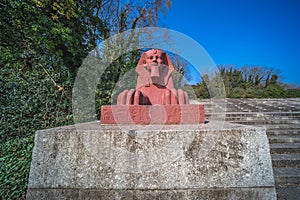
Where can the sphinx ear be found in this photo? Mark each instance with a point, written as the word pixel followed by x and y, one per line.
pixel 169 63
pixel 141 63
pixel 143 74
pixel 168 78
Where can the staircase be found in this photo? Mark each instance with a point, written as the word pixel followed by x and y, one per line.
pixel 281 118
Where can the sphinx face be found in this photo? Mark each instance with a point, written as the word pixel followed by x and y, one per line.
pixel 155 57
pixel 155 64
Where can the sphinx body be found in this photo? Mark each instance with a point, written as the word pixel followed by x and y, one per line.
pixel 154 84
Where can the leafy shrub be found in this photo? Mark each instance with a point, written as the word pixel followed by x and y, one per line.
pixel 15 158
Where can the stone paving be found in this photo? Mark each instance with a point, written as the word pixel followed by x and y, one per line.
pixel 281 118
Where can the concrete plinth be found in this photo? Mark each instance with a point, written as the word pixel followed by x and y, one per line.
pixel 207 161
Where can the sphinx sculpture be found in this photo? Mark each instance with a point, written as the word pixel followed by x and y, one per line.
pixel 154 83
pixel 154 100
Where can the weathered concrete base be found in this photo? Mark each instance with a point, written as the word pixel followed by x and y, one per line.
pixel 191 194
pixel 209 161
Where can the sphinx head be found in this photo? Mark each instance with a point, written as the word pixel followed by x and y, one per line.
pixel 155 67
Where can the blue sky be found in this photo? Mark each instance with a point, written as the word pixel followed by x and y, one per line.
pixel 263 33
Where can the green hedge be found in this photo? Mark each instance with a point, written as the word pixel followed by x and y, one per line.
pixel 14 168
pixel 29 102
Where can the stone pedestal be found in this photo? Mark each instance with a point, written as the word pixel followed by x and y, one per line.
pixel 154 114
pixel 208 161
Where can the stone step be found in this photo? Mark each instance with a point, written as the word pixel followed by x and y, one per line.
pixel 270 119
pixel 275 119
pixel 279 104
pixel 247 120
pixel 281 148
pixel 260 115
pixel 262 110
pixel 283 132
pixel 286 160
pixel 272 111
pixel 265 122
pixel 277 126
pixel 287 176
pixel 268 126
pixel 288 192
pixel 254 114
pixel 243 108
pixel 250 116
pixel 284 139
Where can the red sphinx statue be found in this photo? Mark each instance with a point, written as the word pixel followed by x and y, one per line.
pixel 154 84
pixel 154 100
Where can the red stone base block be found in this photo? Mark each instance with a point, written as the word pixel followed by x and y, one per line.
pixel 152 114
